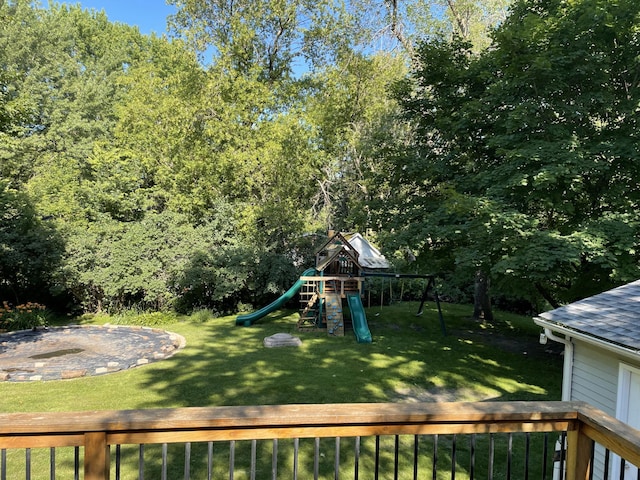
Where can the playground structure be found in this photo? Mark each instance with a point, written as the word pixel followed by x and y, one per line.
pixel 339 276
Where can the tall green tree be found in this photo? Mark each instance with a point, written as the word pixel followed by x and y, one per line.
pixel 30 250
pixel 523 167
pixel 351 112
pixel 267 37
pixel 63 62
pixel 255 142
pixel 143 264
pixel 392 23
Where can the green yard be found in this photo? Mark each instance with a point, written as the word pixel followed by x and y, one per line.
pixel 409 359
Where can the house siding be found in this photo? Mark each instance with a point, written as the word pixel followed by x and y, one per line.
pixel 595 380
pixel 595 377
pixel 607 327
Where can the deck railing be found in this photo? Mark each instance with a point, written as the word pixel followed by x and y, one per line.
pixel 407 440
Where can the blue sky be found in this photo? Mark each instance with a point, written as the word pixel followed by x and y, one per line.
pixel 148 15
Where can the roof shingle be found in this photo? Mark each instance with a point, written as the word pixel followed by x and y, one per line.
pixel 613 316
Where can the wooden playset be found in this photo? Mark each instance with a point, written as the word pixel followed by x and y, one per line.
pixel 339 275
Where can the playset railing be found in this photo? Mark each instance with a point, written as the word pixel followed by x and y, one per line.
pixel 517 440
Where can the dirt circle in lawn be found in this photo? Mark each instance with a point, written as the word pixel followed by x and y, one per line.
pixel 75 351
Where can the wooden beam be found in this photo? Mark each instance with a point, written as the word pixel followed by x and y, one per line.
pixel 287 415
pixel 598 426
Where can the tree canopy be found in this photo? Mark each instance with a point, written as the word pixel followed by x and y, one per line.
pixel 524 159
pixel 196 169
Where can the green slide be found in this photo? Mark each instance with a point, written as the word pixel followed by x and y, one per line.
pixel 358 318
pixel 249 318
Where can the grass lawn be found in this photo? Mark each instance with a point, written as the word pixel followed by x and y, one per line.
pixel 409 359
pixel 222 364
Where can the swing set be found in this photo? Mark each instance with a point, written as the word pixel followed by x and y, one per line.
pixel 430 286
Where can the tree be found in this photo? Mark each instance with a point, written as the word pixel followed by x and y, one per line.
pixel 263 37
pixel 524 162
pixel 63 63
pixel 30 249
pixel 405 23
pixel 351 113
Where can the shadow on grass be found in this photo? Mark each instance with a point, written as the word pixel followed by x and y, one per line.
pixel 409 360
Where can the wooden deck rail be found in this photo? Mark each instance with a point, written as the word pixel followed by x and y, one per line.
pixel 96 431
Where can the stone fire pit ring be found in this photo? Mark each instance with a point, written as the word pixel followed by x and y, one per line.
pixel 75 351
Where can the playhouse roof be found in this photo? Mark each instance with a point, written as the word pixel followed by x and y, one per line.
pixel 369 256
pixel 335 246
pixel 363 253
pixel 333 252
pixel 612 317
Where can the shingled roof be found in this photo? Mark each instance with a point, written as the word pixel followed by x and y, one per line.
pixel 612 316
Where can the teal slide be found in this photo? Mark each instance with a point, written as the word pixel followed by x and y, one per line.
pixel 249 318
pixel 358 318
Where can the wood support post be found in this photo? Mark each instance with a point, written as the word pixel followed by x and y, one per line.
pixel 579 450
pixel 96 456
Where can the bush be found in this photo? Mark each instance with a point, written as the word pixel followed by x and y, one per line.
pixel 202 315
pixel 144 319
pixel 22 317
pixel 117 266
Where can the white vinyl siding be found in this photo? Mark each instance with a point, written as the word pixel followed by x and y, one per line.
pixel 595 377
pixel 595 381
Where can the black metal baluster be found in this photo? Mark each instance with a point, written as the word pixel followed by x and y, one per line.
pixel 118 457
pixel 472 466
pixel 453 457
pixel 163 474
pixel 336 464
pixel 416 456
pixel 509 454
pixel 492 454
pixel 254 444
pixel 527 443
pixel 52 463
pixel 434 473
pixel 187 460
pixel 376 472
pixel 545 452
pixel 623 464
pixel 274 460
pixel 396 457
pixel 232 459
pixel 563 442
pixel 593 462
pixel 27 458
pixel 76 463
pixel 141 463
pixel 296 447
pixel 316 459
pixel 3 464
pixel 607 459
pixel 209 460
pixel 356 466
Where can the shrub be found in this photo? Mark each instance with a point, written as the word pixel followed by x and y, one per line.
pixel 22 317
pixel 143 319
pixel 202 315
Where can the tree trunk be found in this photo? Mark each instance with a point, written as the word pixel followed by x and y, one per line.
pixel 547 296
pixel 481 300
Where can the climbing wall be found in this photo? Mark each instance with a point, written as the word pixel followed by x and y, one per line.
pixel 333 313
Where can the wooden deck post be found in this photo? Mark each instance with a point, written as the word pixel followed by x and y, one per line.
pixel 579 450
pixel 96 456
